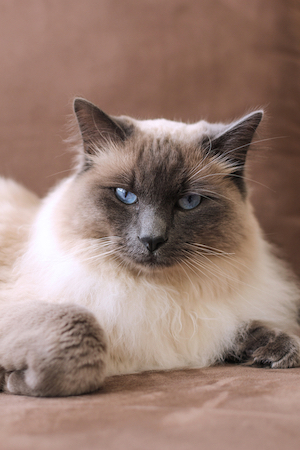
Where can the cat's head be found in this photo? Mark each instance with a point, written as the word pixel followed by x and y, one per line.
pixel 155 193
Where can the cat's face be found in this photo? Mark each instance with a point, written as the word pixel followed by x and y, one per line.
pixel 157 193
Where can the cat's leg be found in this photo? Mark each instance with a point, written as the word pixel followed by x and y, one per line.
pixel 50 350
pixel 259 345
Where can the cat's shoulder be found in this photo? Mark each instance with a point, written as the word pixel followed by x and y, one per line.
pixel 18 207
pixel 14 194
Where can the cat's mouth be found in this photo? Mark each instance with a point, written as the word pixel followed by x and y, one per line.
pixel 155 262
pixel 148 262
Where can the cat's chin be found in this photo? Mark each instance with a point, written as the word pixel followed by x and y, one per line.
pixel 148 265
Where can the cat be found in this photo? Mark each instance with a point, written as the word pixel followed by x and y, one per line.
pixel 148 257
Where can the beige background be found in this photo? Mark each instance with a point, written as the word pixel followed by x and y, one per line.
pixel 183 59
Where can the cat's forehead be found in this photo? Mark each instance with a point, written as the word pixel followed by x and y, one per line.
pixel 161 128
pixel 156 151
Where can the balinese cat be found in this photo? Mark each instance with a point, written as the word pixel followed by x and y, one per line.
pixel 148 257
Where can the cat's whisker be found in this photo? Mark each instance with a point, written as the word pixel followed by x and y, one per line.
pixel 207 247
pixel 99 257
pixel 59 173
pixel 180 263
pixel 216 194
pixel 103 247
pixel 229 259
pixel 215 159
pixel 220 156
pixel 191 263
pixel 233 288
pixel 221 272
pixel 243 177
pixel 255 142
pixel 216 272
pixel 252 181
pixel 200 166
pixel 230 164
pixel 190 266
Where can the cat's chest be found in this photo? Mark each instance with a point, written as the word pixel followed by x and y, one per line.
pixel 150 325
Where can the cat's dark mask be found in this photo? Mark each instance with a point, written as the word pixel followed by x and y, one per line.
pixel 162 191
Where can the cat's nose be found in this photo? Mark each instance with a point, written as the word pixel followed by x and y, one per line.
pixel 153 243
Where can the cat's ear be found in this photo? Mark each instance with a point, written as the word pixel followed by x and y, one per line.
pixel 231 143
pixel 97 128
pixel 233 140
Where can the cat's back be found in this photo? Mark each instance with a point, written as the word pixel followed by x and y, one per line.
pixel 18 207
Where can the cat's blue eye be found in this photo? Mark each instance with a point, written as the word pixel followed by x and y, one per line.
pixel 189 201
pixel 125 196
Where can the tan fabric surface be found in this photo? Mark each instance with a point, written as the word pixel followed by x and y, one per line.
pixel 183 59
pixel 220 408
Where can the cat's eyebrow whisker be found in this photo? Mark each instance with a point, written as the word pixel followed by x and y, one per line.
pixel 58 173
pixel 214 174
pixel 215 159
pixel 234 175
pixel 223 158
pixel 194 169
pixel 221 155
pixel 255 142
pixel 214 193
pixel 252 181
pixel 105 143
pixel 201 166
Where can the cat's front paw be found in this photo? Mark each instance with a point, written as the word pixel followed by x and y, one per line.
pixel 262 346
pixel 273 348
pixel 61 351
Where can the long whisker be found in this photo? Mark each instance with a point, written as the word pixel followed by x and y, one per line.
pixel 256 142
pixel 58 173
pixel 222 272
pixel 200 251
pixel 208 247
pixel 190 263
pixel 235 175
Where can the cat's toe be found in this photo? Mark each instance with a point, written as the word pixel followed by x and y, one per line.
pixel 262 346
pixel 279 353
pixel 14 383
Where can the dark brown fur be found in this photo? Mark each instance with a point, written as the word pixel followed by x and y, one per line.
pixel 259 345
